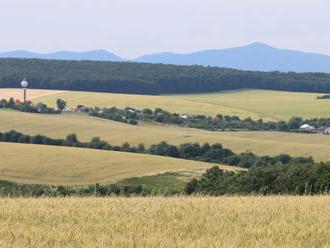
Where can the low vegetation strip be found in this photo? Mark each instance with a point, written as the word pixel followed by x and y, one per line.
pixel 280 221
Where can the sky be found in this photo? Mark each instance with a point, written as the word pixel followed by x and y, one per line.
pixel 131 28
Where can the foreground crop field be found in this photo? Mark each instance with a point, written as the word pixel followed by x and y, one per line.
pixel 26 163
pixel 266 104
pixel 86 127
pixel 166 222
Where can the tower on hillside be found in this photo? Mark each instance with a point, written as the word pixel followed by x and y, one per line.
pixel 24 85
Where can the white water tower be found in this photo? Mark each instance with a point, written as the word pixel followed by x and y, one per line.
pixel 24 85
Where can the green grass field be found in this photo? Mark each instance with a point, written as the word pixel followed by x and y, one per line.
pixel 280 221
pixel 269 105
pixel 171 181
pixel 266 104
pixel 26 163
pixel 86 127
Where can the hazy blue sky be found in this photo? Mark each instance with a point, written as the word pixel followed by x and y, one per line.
pixel 134 27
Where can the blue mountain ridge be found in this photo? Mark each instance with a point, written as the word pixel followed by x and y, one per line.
pixel 255 57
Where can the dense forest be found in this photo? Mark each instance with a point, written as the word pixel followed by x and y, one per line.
pixel 144 78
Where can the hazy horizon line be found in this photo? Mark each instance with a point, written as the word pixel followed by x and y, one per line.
pixel 160 52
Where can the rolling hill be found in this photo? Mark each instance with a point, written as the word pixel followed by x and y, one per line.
pixel 116 133
pixel 37 164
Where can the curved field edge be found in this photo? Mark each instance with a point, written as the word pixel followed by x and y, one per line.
pixel 280 221
pixel 41 164
pixel 116 133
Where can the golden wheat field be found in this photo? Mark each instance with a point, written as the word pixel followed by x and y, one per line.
pixel 280 221
pixel 27 163
pixel 86 127
pixel 32 94
pixel 266 104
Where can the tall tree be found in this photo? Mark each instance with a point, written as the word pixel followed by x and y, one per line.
pixel 61 104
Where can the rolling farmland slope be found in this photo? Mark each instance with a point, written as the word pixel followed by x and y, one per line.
pixel 26 163
pixel 86 127
pixel 269 105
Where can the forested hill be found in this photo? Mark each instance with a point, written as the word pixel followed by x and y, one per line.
pixel 143 78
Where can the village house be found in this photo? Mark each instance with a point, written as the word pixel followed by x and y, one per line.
pixel 307 127
pixel 67 110
pixel 184 116
pixel 327 131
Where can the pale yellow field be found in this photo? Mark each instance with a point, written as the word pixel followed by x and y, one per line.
pixel 263 143
pixel 166 222
pixel 269 105
pixel 32 94
pixel 266 104
pixel 26 163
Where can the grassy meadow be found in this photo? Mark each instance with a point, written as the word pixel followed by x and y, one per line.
pixel 280 221
pixel 266 104
pixel 38 164
pixel 86 127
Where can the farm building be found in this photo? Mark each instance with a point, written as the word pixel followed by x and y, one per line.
pixel 327 131
pixel 307 127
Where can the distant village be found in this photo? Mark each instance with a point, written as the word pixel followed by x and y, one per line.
pixel 132 116
pixel 311 129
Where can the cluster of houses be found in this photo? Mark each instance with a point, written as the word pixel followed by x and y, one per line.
pixel 311 129
pixel 85 109
pixel 80 109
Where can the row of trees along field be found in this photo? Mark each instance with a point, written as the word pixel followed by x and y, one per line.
pixel 220 122
pixel 144 78
pixel 133 116
pixel 290 178
pixel 214 153
pixel 40 108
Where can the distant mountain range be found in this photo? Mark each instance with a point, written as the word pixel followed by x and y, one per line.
pixel 98 55
pixel 255 57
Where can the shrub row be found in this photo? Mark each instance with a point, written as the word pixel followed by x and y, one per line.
pixel 291 178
